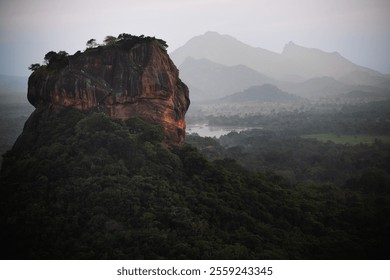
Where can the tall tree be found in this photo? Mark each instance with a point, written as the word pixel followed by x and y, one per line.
pixel 109 40
pixel 91 43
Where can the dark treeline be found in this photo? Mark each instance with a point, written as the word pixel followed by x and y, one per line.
pixel 55 61
pixel 299 159
pixel 12 118
pixel 281 147
pixel 80 186
pixel 366 118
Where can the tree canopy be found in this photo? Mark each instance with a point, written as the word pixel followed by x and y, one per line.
pixel 84 186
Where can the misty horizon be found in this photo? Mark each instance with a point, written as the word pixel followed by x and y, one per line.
pixel 289 44
pixel 355 29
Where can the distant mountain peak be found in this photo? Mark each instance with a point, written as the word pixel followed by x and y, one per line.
pixel 293 47
pixel 212 33
pixel 211 38
pixel 261 93
pixel 217 34
pixel 290 44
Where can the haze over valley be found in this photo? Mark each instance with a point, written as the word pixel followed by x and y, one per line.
pixel 229 77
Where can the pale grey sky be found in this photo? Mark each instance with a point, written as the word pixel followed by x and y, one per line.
pixel 357 29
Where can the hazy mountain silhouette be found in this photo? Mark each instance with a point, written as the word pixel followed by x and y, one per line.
pixel 366 78
pixel 316 87
pixel 208 80
pixel 264 93
pixel 226 50
pixel 330 87
pixel 295 63
pixel 319 63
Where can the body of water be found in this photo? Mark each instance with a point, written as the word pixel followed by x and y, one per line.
pixel 205 130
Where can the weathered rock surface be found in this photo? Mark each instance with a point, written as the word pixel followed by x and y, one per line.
pixel 140 81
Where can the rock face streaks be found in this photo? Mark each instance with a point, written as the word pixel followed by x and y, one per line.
pixel 123 83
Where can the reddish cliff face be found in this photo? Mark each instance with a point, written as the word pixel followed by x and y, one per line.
pixel 140 81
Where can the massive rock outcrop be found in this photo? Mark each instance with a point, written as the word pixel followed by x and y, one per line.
pixel 132 77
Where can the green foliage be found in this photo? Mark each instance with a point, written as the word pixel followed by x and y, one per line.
pixel 109 40
pixel 56 61
pixel 91 43
pixel 347 144
pixel 79 186
pixel 34 66
pixel 53 62
pixel 368 118
pixel 127 41
pixel 348 139
pixel 161 43
pixel 296 158
pixel 146 130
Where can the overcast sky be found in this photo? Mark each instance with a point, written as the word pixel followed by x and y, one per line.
pixel 357 29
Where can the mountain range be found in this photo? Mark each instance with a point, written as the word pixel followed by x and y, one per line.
pixel 209 80
pixel 263 93
pixel 215 65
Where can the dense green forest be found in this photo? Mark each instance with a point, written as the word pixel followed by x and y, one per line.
pixel 12 118
pixel 84 186
pixel 366 118
pixel 335 144
pixel 301 160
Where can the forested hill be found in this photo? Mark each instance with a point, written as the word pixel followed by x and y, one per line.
pixel 264 93
pixel 85 186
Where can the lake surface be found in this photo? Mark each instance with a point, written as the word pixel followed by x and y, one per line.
pixel 205 130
